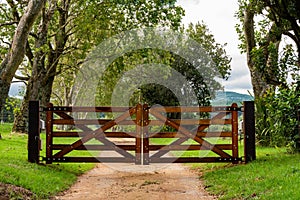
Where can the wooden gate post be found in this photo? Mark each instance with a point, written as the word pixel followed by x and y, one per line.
pixel 34 132
pixel 249 131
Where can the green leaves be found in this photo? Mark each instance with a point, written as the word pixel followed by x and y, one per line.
pixel 276 118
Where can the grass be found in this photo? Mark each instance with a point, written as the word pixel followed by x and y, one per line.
pixel 274 175
pixel 43 180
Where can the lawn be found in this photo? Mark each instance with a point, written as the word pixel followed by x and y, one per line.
pixel 274 175
pixel 43 180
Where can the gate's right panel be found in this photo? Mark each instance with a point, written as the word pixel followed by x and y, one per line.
pixel 192 134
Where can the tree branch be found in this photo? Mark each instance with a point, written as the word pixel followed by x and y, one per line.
pixel 8 23
pixel 22 78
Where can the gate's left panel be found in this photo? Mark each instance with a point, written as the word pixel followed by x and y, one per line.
pixel 92 134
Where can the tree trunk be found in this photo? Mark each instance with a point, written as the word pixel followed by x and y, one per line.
pixel 262 79
pixel 44 68
pixel 259 86
pixel 16 54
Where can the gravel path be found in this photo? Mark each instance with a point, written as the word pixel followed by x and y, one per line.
pixel 135 182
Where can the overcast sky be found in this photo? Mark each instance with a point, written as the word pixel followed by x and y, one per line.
pixel 218 15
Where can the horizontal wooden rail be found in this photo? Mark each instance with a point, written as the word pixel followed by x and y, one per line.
pixel 199 134
pixel 187 147
pixel 185 109
pixel 89 122
pixel 95 147
pixel 191 122
pixel 86 109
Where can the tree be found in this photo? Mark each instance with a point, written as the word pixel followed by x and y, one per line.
pixel 60 41
pixel 17 48
pixel 186 75
pixel 274 65
pixel 44 52
pixel 263 25
pixel 155 94
pixel 103 21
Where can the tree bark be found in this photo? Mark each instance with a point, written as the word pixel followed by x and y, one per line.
pixel 16 54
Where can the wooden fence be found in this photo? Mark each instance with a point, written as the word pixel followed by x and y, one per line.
pixel 142 134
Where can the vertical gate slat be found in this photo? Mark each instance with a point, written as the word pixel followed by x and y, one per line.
pixel 138 138
pixel 235 149
pixel 145 135
pixel 49 130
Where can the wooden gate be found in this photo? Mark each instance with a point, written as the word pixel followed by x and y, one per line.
pixel 202 134
pixel 92 134
pixel 142 134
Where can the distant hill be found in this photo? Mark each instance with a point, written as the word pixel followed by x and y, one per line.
pixel 227 98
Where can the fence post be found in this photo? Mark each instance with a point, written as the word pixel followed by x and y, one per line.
pixel 34 132
pixel 249 131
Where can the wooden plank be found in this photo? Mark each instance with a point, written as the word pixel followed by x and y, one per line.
pixel 192 122
pixel 89 122
pixel 127 160
pixel 199 134
pixel 145 134
pixel 104 109
pixel 69 134
pixel 95 147
pixel 90 159
pixel 120 134
pixel 186 147
pixel 182 109
pixel 83 134
pixel 138 139
pixel 191 160
pixel 49 129
pixel 235 144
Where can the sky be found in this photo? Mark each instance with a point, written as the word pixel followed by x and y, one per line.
pixel 218 15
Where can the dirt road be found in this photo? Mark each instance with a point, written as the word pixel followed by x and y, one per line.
pixel 134 182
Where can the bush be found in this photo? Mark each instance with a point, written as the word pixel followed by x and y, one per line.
pixel 276 116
